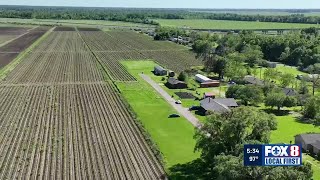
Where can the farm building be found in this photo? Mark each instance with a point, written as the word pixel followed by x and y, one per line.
pixel 160 71
pixel 201 78
pixel 309 142
pixel 253 80
pixel 211 83
pixel 218 105
pixel 176 84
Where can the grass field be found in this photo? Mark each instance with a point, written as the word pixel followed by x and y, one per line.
pixel 83 23
pixel 220 24
pixel 173 136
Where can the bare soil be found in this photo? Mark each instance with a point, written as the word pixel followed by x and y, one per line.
pixel 6 58
pixel 64 28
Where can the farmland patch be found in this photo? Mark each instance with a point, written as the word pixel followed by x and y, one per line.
pixel 64 28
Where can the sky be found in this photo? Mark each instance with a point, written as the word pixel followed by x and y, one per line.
pixel 251 4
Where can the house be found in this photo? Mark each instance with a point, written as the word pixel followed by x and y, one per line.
pixel 211 83
pixel 309 142
pixel 253 80
pixel 160 71
pixel 201 78
pixel 218 105
pixel 173 83
pixel 289 91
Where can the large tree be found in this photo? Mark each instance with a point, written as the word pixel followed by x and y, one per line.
pixel 221 140
pixel 314 71
pixel 246 93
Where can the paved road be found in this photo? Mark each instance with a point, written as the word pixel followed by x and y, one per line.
pixel 182 110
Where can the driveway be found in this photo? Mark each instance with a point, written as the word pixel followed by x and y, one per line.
pixel 178 107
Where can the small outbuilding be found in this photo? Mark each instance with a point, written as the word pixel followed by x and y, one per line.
pixel 160 71
pixel 173 83
pixel 201 78
pixel 209 84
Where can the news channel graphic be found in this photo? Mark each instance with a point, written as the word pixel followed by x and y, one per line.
pixel 272 155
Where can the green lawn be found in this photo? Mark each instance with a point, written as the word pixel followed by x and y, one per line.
pixel 173 136
pixel 220 24
pixel 283 69
pixel 147 66
pixel 288 127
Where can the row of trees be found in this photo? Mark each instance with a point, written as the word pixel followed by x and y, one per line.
pixel 140 15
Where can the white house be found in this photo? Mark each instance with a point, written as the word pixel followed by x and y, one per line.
pixel 201 78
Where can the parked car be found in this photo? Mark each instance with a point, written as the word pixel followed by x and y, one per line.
pixel 178 102
pixel 174 115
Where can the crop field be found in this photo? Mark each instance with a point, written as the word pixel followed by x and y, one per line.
pixel 66 41
pixel 142 42
pixel 70 131
pixel 56 67
pixel 100 41
pixel 111 60
pixel 12 49
pixel 114 46
pixel 61 120
pixel 221 24
pixel 64 28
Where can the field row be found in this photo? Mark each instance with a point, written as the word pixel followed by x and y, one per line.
pixel 70 132
pixel 66 41
pixel 141 41
pixel 55 67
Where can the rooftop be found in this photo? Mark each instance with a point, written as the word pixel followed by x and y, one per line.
pixel 253 80
pixel 174 81
pixel 310 138
pixel 218 105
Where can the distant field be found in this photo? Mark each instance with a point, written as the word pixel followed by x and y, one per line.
pixel 219 24
pixel 267 13
pixel 89 23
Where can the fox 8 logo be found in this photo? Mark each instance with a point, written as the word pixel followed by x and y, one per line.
pixel 282 151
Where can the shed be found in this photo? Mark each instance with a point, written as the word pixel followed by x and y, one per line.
pixel 201 78
pixel 211 83
pixel 160 71
pixel 173 83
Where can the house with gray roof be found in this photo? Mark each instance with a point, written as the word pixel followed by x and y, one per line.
pixel 160 71
pixel 253 80
pixel 309 142
pixel 222 105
